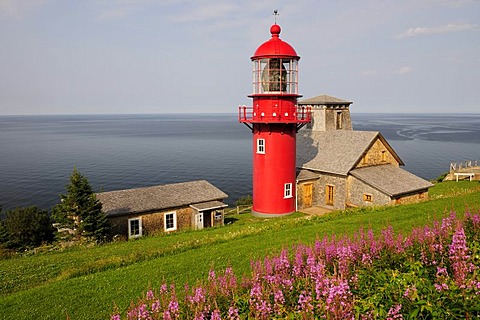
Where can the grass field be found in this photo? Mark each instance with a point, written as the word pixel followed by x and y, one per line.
pixel 85 283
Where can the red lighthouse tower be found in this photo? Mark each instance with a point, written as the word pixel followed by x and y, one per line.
pixel 274 120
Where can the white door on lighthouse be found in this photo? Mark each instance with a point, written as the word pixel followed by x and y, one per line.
pixel 199 221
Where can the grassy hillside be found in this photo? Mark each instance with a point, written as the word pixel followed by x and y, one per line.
pixel 85 283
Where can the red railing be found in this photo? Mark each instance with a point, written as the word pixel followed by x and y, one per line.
pixel 299 115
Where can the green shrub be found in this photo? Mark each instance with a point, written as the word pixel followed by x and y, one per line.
pixel 25 228
pixel 244 201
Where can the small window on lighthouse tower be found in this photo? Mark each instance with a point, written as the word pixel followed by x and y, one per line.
pixel 288 190
pixel 261 146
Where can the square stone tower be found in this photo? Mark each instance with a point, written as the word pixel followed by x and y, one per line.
pixel 328 113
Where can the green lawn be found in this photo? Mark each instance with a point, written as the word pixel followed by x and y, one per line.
pixel 85 283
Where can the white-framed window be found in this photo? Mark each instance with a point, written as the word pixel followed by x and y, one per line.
pixel 170 221
pixel 134 228
pixel 261 146
pixel 287 192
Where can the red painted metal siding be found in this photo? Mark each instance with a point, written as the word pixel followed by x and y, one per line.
pixel 273 169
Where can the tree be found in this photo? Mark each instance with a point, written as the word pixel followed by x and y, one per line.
pixel 80 210
pixel 25 228
pixel 244 201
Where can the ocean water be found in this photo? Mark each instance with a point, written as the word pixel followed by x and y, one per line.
pixel 38 153
pixel 427 143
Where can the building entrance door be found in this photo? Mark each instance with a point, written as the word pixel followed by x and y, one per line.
pixel 199 221
pixel 307 194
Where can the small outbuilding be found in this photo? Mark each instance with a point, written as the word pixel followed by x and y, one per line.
pixel 164 208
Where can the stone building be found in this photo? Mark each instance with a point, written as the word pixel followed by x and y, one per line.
pixel 164 208
pixel 338 167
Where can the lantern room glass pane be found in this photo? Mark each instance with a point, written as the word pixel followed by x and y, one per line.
pixel 275 75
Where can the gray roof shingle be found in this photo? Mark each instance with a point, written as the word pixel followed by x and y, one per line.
pixel 390 179
pixel 335 152
pixel 323 100
pixel 158 197
pixel 303 175
pixel 210 205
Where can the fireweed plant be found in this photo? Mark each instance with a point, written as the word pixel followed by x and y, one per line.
pixel 433 273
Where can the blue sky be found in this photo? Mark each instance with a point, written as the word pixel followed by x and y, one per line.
pixel 145 56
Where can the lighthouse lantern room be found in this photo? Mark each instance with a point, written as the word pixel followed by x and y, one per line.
pixel 274 119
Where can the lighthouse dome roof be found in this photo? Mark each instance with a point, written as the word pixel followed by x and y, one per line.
pixel 275 47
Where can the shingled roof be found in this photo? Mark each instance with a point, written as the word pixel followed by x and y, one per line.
pixel 304 175
pixel 159 197
pixel 390 179
pixel 323 100
pixel 335 152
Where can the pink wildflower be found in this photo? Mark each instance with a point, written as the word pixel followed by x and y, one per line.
pixel 339 300
pixel 211 275
pixel 388 239
pixel 173 309
pixel 394 312
pixel 167 315
pixel 458 254
pixel 305 303
pixel 199 316
pixel 345 257
pixel 156 306
pixel 441 287
pixel 366 259
pixel 298 263
pixel 132 314
pixel 150 295
pixel 142 312
pixel 233 314
pixel 410 292
pixel 163 289
pixel 279 300
pixel 229 281
pixel 198 297
pixel 442 272
pixel 216 315
pixel 261 308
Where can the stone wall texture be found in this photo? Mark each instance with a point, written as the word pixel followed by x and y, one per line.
pixel 319 192
pixel 357 190
pixel 376 155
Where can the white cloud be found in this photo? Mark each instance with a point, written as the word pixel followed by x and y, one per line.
pixel 207 12
pixel 403 70
pixel 453 3
pixel 114 13
pixel 368 73
pixel 15 9
pixel 372 73
pixel 114 9
pixel 451 27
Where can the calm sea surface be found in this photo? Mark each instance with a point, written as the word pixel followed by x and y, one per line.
pixel 38 153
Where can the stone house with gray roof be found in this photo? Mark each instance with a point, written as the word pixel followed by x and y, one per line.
pixel 164 208
pixel 338 167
